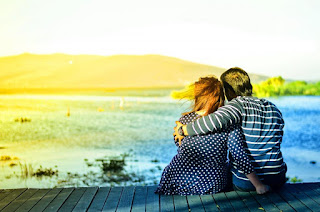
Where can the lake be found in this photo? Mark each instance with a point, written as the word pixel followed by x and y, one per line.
pixel 56 140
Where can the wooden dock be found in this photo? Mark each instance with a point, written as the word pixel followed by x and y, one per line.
pixel 292 197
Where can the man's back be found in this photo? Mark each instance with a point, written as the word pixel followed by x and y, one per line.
pixel 262 125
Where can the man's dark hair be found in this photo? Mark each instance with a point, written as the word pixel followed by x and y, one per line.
pixel 236 82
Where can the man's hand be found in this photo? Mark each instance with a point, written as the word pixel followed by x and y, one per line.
pixel 262 189
pixel 177 136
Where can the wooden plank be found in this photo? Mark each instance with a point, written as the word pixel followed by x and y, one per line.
pixel 292 200
pixel 86 199
pixel 292 197
pixel 152 200
pixel 73 199
pixel 113 199
pixel 45 201
pixel 249 201
pixel 222 202
pixel 264 201
pixel 236 202
pixel 309 192
pixel 15 204
pixel 208 203
pixel 32 201
pixel 166 203
pixel 279 202
pixel 139 200
pixel 10 197
pixel 57 202
pixel 126 199
pixel 314 186
pixel 310 203
pixel 99 200
pixel 5 193
pixel 195 203
pixel 180 203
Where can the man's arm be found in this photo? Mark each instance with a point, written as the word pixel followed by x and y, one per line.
pixel 224 117
pixel 241 161
pixel 260 187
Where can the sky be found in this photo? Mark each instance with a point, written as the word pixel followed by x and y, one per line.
pixel 273 38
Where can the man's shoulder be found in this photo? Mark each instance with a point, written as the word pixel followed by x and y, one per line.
pixel 270 104
pixel 250 102
pixel 254 100
pixel 240 101
pixel 266 107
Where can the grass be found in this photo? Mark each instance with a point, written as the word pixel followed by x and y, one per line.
pixel 295 180
pixel 107 171
pixel 22 119
pixel 5 158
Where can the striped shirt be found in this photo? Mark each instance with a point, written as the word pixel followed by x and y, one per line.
pixel 262 125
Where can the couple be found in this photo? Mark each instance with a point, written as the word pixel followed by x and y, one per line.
pixel 251 129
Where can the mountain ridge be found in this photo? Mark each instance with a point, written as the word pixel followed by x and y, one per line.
pixel 95 71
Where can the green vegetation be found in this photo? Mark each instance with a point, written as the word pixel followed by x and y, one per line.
pixel 276 86
pixel 26 170
pixel 22 119
pixel 295 180
pixel 106 171
pixel 4 158
pixel 47 172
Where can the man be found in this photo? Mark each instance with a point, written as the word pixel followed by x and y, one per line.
pixel 262 125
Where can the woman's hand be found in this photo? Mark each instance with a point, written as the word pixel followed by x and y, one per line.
pixel 176 135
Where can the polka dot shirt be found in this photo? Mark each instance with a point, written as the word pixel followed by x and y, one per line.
pixel 200 166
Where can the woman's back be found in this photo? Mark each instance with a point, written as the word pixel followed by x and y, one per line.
pixel 200 166
pixel 209 149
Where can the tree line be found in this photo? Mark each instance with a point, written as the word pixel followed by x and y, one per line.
pixel 277 86
pixel 274 86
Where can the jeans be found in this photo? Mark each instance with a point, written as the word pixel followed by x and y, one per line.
pixel 274 181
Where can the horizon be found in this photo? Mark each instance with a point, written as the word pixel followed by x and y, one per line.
pixel 59 53
pixel 267 38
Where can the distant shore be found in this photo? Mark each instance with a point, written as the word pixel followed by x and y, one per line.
pixel 156 92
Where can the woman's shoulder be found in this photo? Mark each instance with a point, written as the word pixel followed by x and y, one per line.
pixel 188 117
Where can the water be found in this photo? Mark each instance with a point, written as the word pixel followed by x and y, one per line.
pixel 301 141
pixel 107 127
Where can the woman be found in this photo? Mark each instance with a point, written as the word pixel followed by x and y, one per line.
pixel 201 167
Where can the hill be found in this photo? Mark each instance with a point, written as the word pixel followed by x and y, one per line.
pixel 31 71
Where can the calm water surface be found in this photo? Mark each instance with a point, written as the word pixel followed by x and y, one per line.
pixel 83 137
